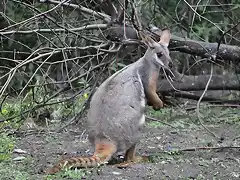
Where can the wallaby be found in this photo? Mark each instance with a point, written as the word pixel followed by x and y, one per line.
pixel 116 115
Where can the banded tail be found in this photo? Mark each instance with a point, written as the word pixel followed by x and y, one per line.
pixel 102 154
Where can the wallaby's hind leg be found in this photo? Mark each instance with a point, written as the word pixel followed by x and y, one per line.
pixel 130 158
pixel 104 151
pixel 152 97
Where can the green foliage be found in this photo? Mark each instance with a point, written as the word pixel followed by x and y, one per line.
pixel 6 146
pixel 73 174
pixel 10 173
pixel 34 102
pixel 189 119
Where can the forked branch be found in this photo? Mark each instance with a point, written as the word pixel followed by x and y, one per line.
pixel 116 12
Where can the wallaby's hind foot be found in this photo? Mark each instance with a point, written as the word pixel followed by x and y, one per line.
pixel 136 160
pixel 103 152
pixel 130 158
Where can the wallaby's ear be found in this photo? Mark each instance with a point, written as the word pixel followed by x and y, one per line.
pixel 155 30
pixel 147 40
pixel 165 37
pixel 150 42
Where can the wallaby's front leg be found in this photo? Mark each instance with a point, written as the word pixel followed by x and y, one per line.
pixel 152 97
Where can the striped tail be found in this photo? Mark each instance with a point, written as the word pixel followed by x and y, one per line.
pixel 103 153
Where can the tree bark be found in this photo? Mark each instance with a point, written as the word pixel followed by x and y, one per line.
pixel 198 48
pixel 205 49
pixel 197 83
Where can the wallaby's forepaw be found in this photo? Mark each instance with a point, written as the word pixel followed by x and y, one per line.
pixel 155 101
pixel 158 106
pixel 149 103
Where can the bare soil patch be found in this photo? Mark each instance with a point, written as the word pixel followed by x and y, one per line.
pixel 158 140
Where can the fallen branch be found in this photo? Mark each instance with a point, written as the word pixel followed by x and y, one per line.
pixel 212 100
pixel 216 105
pixel 205 49
pixel 209 148
pixel 197 83
pixel 198 48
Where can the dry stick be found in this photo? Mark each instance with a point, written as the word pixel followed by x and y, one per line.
pixel 208 148
pixel 224 33
pixel 197 149
pixel 238 137
pixel 195 12
pixel 85 102
pixel 81 112
pixel 215 105
pixel 124 19
pixel 34 17
pixel 12 71
pixel 83 9
pixel 72 30
pixel 199 101
pixel 138 27
pixel 50 55
pixel 154 119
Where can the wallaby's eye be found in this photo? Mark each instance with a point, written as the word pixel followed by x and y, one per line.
pixel 159 54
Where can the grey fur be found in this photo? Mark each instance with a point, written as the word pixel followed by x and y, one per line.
pixel 118 104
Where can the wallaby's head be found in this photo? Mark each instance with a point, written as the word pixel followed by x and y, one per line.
pixel 158 51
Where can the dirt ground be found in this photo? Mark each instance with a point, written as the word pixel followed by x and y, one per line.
pixel 159 141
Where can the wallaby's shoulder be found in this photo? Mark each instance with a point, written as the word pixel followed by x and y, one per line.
pixel 125 74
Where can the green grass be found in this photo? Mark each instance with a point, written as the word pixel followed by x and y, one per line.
pixel 6 146
pixel 67 173
pixel 180 118
pixel 8 171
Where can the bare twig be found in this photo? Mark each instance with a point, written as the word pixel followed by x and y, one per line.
pixel 84 105
pixel 103 16
pixel 59 30
pixel 209 148
pixel 163 122
pixel 34 17
pixel 234 139
pixel 199 101
pixel 224 33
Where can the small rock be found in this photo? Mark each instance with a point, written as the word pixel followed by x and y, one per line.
pixel 19 151
pixel 19 158
pixel 116 173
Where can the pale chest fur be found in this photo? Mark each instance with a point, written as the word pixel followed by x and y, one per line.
pixel 143 101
